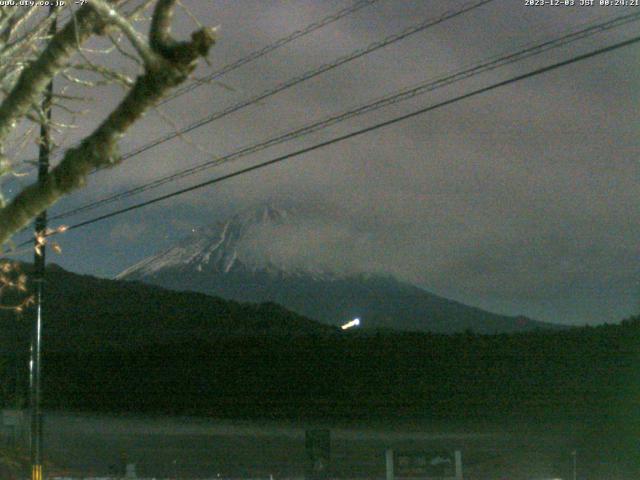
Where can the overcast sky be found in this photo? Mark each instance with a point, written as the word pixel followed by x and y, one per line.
pixel 524 200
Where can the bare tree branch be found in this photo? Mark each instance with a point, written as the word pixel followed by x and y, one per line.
pixel 35 78
pixel 176 60
pixel 110 15
pixel 160 34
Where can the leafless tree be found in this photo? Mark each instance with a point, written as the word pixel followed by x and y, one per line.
pixel 32 55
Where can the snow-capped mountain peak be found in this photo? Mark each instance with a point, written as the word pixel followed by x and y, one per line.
pixel 224 247
pixel 272 255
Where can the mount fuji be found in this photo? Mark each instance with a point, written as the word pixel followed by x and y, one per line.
pixel 222 260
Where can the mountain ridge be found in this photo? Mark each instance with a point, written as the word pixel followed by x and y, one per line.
pixel 88 313
pixel 216 261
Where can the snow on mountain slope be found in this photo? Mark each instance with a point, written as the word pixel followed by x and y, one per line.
pixel 267 255
pixel 224 247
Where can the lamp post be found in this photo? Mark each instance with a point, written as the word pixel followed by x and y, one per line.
pixel 35 363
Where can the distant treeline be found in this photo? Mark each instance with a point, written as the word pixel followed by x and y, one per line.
pixel 583 372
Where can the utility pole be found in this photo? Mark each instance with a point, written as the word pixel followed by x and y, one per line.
pixel 35 364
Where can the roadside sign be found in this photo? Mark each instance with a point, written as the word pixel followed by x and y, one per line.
pixel 424 465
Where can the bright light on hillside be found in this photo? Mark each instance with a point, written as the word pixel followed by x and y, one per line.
pixel 353 323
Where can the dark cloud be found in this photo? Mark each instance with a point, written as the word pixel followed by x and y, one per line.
pixel 522 201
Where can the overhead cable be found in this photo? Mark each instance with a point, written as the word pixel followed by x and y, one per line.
pixel 360 132
pixel 422 88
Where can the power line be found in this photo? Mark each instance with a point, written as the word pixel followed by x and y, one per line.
pixel 306 76
pixel 491 64
pixel 309 75
pixel 363 131
pixel 270 48
pixel 449 14
pixel 428 23
pixel 359 5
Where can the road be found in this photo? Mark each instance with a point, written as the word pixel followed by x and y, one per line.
pixel 187 447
